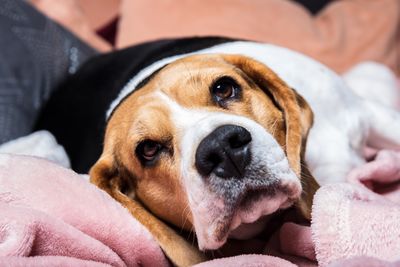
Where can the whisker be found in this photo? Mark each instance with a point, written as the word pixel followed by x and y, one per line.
pixel 273 126
pixel 193 235
pixel 184 216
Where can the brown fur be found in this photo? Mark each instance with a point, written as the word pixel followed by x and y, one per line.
pixel 157 192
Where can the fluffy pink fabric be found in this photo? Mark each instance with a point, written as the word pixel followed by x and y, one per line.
pixel 351 221
pixel 381 175
pixel 247 261
pixel 52 212
pixel 364 262
pixel 46 261
pixel 351 224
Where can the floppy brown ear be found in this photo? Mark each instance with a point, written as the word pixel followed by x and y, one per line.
pixel 309 184
pixel 105 175
pixel 298 119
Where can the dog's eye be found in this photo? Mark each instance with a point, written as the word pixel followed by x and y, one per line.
pixel 148 150
pixel 224 88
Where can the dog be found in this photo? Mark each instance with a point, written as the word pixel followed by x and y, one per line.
pixel 212 134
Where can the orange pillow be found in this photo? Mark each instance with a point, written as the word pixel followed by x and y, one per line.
pixel 344 33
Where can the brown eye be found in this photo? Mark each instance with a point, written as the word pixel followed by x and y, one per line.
pixel 224 88
pixel 148 150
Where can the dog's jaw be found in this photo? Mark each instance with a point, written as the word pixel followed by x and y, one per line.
pixel 249 221
pixel 269 184
pixel 215 220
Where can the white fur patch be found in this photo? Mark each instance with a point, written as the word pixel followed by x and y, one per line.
pixel 375 82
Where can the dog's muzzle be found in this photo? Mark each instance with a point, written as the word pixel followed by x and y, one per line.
pixel 225 152
pixel 238 175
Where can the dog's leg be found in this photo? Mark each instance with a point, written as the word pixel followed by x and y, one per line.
pixel 330 154
pixel 384 126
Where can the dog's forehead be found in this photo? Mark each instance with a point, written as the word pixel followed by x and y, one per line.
pixel 193 69
pixel 187 81
pixel 200 61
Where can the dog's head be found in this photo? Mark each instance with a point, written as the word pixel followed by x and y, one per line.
pixel 210 142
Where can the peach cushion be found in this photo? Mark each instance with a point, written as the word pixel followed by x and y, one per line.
pixel 342 34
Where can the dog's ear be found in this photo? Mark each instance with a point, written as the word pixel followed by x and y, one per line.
pixel 309 184
pixel 298 121
pixel 107 176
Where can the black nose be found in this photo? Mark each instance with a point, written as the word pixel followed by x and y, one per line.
pixel 224 152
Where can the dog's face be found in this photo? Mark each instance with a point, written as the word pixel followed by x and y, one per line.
pixel 211 143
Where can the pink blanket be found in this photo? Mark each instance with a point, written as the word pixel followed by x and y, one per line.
pixel 51 216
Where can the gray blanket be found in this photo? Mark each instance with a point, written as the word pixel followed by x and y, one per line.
pixel 36 54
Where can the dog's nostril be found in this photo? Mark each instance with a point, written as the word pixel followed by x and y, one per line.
pixel 224 152
pixel 239 139
pixel 214 158
pixel 206 162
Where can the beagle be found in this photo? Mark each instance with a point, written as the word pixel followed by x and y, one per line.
pixel 212 135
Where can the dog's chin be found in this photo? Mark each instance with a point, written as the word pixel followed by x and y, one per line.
pixel 251 217
pixel 249 230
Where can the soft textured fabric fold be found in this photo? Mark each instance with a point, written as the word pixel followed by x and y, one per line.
pixel 51 211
